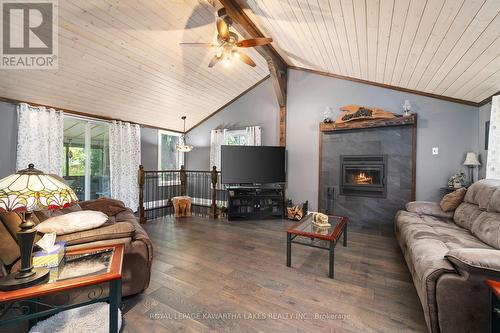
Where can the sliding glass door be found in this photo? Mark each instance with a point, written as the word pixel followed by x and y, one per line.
pixel 86 157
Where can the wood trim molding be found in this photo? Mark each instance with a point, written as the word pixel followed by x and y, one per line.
pixel 83 114
pixel 278 67
pixel 227 104
pixel 488 99
pixel 382 85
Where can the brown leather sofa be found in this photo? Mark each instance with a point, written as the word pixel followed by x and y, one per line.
pixel 121 227
pixel 450 255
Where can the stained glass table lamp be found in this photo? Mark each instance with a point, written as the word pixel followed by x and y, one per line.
pixel 26 191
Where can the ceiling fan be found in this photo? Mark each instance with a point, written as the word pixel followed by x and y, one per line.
pixel 228 44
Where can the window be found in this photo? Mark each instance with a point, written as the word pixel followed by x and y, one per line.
pixel 86 157
pixel 168 156
pixel 236 138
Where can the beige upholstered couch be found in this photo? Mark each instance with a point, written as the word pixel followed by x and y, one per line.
pixel 450 255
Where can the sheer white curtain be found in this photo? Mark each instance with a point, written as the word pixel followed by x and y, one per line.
pixel 493 163
pixel 40 138
pixel 217 139
pixel 254 136
pixel 124 161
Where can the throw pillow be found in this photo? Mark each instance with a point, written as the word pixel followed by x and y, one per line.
pixel 108 206
pixel 451 201
pixel 43 215
pixel 72 222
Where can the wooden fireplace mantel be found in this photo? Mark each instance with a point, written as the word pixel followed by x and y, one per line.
pixel 370 123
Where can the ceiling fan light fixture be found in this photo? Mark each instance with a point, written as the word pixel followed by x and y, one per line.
pixel 182 146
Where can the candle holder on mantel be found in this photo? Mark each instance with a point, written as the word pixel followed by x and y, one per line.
pixel 407 108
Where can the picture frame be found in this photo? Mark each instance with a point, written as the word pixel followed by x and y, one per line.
pixel 486 134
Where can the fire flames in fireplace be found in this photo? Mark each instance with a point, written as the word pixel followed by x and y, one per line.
pixel 363 178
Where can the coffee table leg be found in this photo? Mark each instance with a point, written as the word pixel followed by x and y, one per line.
pixel 331 261
pixel 288 249
pixel 115 300
pixel 345 237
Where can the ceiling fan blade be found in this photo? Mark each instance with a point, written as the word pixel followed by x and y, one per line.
pixel 197 44
pixel 222 29
pixel 214 60
pixel 246 59
pixel 254 42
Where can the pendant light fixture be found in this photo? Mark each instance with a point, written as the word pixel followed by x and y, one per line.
pixel 182 146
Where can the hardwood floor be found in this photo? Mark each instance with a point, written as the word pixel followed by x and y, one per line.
pixel 231 277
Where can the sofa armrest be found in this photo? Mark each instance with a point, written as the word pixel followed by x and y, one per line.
pixel 475 261
pixel 428 208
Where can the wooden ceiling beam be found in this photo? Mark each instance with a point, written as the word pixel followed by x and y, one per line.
pixel 278 68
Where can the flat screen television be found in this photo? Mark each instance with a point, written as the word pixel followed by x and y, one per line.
pixel 253 165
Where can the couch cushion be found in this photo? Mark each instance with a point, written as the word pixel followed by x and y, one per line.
pixel 412 227
pixel 482 260
pixel 487 228
pixel 480 192
pixel 494 205
pixel 427 208
pixel 116 230
pixel 451 200
pixel 466 214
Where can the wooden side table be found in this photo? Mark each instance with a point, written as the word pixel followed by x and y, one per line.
pixel 68 277
pixel 494 305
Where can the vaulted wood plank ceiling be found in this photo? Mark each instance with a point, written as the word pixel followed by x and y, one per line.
pixel 122 59
pixel 444 47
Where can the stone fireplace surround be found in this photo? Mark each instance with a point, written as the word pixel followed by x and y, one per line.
pixel 364 142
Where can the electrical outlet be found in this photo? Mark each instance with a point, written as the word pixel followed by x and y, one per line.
pixel 435 150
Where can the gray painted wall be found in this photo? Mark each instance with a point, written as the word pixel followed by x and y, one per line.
pixel 149 148
pixel 450 126
pixel 484 115
pixel 258 107
pixel 8 139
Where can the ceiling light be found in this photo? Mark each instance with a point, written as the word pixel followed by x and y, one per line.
pixel 182 146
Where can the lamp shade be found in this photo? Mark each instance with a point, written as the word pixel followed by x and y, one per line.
pixel 31 189
pixel 471 159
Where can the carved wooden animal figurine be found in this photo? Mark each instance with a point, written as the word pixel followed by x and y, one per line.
pixel 182 206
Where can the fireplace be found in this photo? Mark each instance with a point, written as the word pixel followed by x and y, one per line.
pixel 363 175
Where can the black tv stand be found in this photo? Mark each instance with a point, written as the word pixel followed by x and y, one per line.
pixel 255 202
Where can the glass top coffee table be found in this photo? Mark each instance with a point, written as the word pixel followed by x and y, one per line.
pixel 83 268
pixel 307 233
